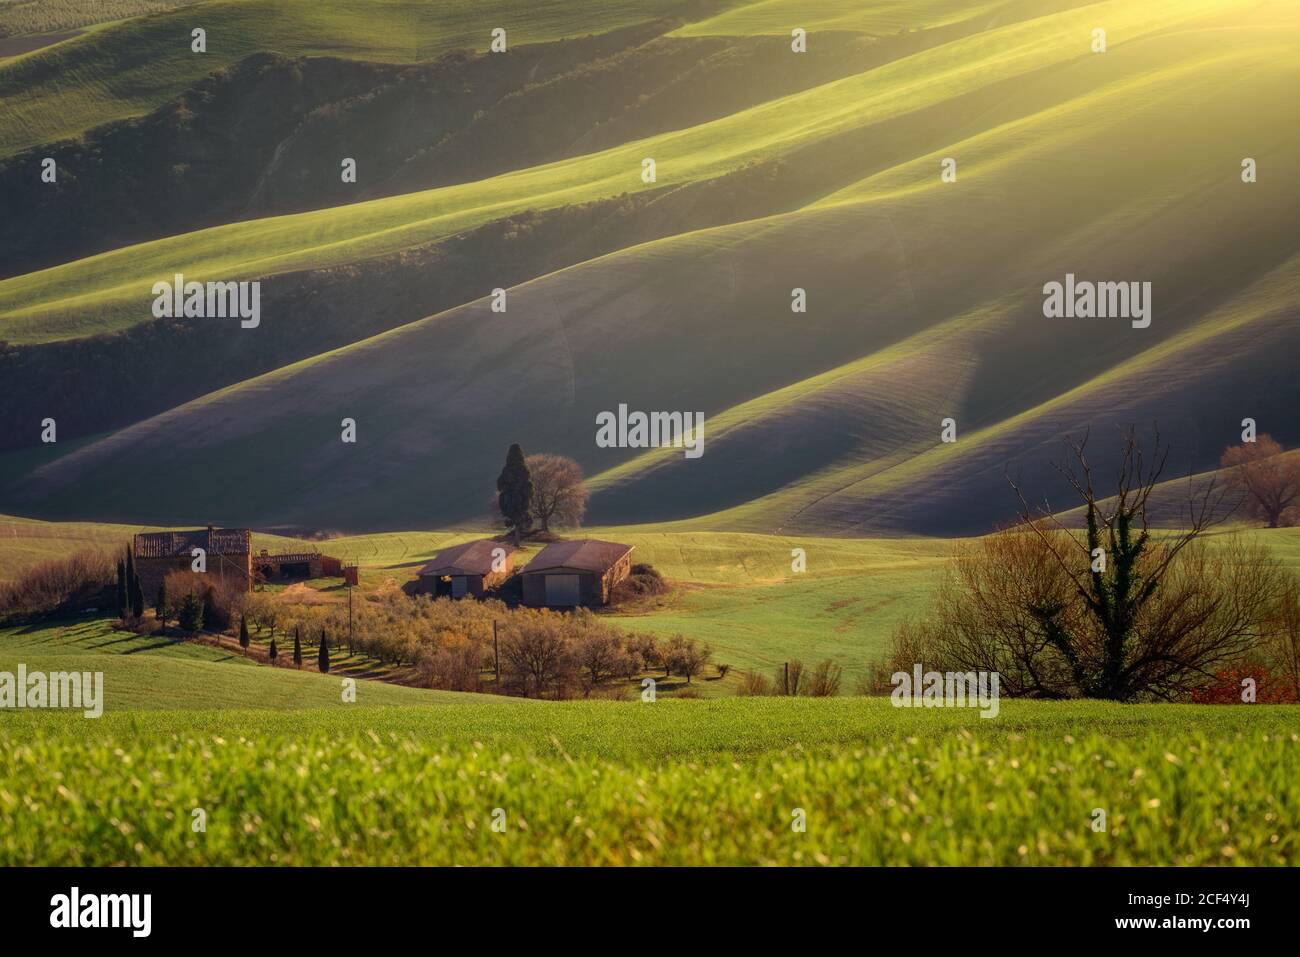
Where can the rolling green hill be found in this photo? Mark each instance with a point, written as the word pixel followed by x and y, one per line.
pixel 109 285
pixel 128 67
pixel 149 673
pixel 924 296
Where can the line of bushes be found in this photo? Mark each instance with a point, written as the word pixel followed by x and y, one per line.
pixel 450 644
pixel 82 581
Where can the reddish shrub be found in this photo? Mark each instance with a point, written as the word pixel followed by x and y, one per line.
pixel 1227 686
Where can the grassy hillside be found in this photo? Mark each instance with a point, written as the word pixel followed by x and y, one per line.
pixel 101 76
pixel 148 673
pixel 775 171
pixel 735 591
pixel 109 285
pixel 21 18
pixel 286 773
pixel 924 301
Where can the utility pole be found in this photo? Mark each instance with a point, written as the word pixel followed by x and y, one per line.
pixel 787 678
pixel 349 620
pixel 496 656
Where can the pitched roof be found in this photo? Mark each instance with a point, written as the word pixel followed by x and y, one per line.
pixel 214 541
pixel 588 555
pixel 468 558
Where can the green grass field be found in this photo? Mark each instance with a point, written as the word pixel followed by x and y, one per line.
pixel 664 783
pixel 145 673
pixel 735 591
pixel 286 772
pixel 32 17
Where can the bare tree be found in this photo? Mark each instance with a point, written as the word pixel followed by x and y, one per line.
pixel 1284 637
pixel 754 684
pixel 825 680
pixel 559 494
pixel 1113 610
pixel 1267 480
pixel 599 655
pixel 788 678
pixel 1114 567
pixel 687 657
pixel 535 650
pixel 454 665
pixel 644 649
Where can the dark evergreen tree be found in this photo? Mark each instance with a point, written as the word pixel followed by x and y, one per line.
pixel 161 608
pixel 243 634
pixel 297 647
pixel 515 493
pixel 123 598
pixel 190 618
pixel 133 586
pixel 273 653
pixel 137 597
pixel 323 662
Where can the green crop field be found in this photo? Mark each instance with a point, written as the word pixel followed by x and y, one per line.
pixel 286 772
pixel 664 783
pixel 32 17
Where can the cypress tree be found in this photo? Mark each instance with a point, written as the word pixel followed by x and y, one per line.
pixel 243 634
pixel 137 597
pixel 161 608
pixel 297 647
pixel 122 598
pixel 273 653
pixel 323 662
pixel 515 492
pixel 190 617
pixel 132 585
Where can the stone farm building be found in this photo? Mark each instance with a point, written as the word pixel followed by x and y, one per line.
pixel 565 574
pixel 229 558
pixel 467 569
pixel 229 555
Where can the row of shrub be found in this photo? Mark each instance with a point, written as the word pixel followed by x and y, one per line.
pixel 456 645
pixel 79 582
pixel 794 679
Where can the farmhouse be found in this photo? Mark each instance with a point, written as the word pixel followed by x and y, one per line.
pixel 585 572
pixel 467 569
pixel 228 554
